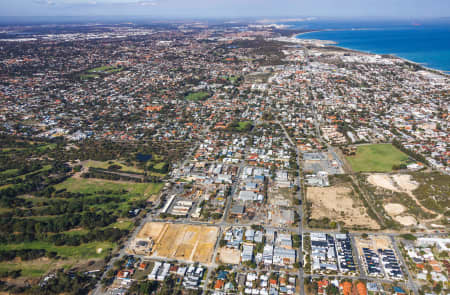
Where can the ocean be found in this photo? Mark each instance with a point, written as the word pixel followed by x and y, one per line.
pixel 426 44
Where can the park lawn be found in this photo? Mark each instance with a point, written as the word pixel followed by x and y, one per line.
pixel 100 69
pixel 10 149
pixel 105 69
pixel 23 176
pixel 135 191
pixel 5 186
pixel 233 78
pixel 159 165
pixel 89 76
pixel 45 147
pixel 106 164
pixel 244 125
pixel 28 270
pixel 40 218
pixel 122 224
pixel 76 232
pixel 91 186
pixel 157 158
pixel 156 174
pixel 195 96
pixel 83 251
pixel 114 70
pixel 376 158
pixel 5 210
pixel 9 173
pixel 37 201
pixel 12 173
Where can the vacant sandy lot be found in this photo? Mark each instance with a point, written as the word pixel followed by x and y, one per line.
pixel 405 182
pixel 406 220
pixel 396 182
pixel 152 230
pixel 230 256
pixel 337 204
pixel 394 209
pixel 178 241
pixel 399 183
pixel 280 197
pixel 382 180
pixel 396 212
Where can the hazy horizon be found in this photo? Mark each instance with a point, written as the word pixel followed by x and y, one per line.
pixel 401 9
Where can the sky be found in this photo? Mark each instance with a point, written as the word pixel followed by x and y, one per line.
pixel 229 8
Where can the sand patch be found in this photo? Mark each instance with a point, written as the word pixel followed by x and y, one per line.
pixel 405 182
pixel 383 181
pixel 406 220
pixel 151 230
pixel 396 183
pixel 337 204
pixel 394 209
pixel 401 183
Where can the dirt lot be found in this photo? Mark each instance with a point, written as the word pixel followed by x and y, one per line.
pixel 339 203
pixel 230 256
pixel 396 212
pixel 394 209
pixel 183 242
pixel 280 197
pixel 405 182
pixel 406 220
pixel 383 180
pixel 400 183
pixel 396 182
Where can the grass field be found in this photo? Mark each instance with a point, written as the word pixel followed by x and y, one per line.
pixel 27 270
pixel 121 224
pixel 376 158
pixel 9 173
pixel 195 96
pixel 124 201
pixel 95 73
pixel 83 251
pixel 159 165
pixel 245 125
pixel 45 147
pixel 97 185
pixel 105 69
pixel 14 173
pixel 37 146
pixel 88 76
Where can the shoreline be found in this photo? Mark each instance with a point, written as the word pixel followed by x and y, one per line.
pixel 335 44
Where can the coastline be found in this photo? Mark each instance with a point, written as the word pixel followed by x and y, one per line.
pixel 335 44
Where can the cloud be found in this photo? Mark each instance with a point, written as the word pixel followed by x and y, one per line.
pixel 45 2
pixel 147 3
pixel 96 2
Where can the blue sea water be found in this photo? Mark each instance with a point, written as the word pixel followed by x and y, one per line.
pixel 428 44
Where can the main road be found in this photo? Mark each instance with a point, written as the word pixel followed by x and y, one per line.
pixel 301 274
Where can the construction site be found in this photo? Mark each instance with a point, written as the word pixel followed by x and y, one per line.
pixel 183 242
